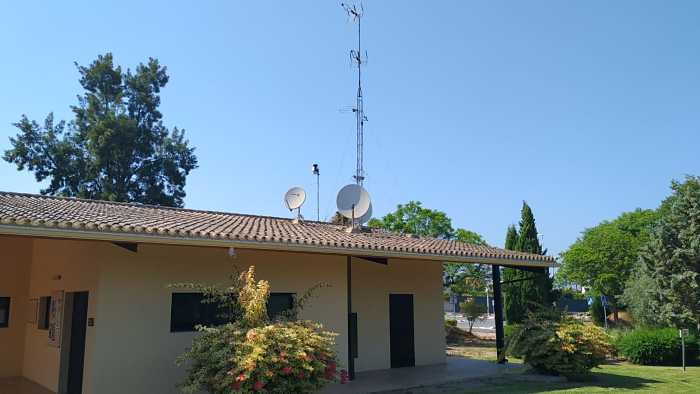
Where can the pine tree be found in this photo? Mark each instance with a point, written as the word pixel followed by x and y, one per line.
pixel 672 256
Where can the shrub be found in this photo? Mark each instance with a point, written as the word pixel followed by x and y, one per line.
pixel 508 331
pixel 450 323
pixel 656 346
pixel 252 354
pixel 472 311
pixel 552 343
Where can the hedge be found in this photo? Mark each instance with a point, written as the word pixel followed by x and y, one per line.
pixel 656 346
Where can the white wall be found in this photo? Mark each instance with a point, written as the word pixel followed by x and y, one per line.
pixel 137 351
pixel 15 263
pixel 131 349
pixel 371 285
pixel 77 265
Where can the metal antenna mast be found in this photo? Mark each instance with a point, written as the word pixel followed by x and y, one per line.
pixel 356 13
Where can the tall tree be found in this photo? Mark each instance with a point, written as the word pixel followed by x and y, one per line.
pixel 511 238
pixel 116 147
pixel 672 255
pixel 605 256
pixel 413 218
pixel 521 294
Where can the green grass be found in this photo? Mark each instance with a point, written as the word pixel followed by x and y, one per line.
pixel 609 378
pixel 614 377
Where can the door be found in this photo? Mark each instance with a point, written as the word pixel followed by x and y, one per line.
pixel 76 358
pixel 401 330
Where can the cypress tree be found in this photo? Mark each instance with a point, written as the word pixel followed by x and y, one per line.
pixel 520 296
pixel 512 304
pixel 511 237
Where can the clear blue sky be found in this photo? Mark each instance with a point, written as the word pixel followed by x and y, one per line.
pixel 584 109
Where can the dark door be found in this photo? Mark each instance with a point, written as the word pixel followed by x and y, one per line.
pixel 76 358
pixel 401 330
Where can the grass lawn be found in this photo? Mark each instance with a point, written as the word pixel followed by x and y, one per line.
pixel 607 378
pixel 613 377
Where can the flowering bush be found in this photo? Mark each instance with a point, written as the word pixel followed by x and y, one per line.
pixel 552 343
pixel 253 354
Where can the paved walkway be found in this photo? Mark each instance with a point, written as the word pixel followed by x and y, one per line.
pixel 21 386
pixel 455 369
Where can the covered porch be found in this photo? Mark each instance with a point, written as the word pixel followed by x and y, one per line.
pixel 455 369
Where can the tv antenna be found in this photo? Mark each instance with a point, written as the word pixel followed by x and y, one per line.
pixel 356 12
pixel 294 199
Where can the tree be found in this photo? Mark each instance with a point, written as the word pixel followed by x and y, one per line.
pixel 472 311
pixel 672 255
pixel 116 148
pixel 413 218
pixel 511 238
pixel 641 298
pixel 521 295
pixel 604 257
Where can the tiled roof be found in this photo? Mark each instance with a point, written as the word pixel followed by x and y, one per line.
pixel 90 217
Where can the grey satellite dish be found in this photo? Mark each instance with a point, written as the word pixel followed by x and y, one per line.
pixel 294 199
pixel 367 216
pixel 353 201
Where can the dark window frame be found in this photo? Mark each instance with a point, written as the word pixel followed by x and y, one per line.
pixel 187 311
pixel 271 304
pixel 44 312
pixel 5 303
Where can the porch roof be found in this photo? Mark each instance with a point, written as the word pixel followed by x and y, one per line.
pixel 37 215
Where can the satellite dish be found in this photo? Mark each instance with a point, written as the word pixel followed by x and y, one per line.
pixel 367 216
pixel 353 201
pixel 294 198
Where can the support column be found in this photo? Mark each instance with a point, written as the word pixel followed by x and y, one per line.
pixel 352 324
pixel 498 314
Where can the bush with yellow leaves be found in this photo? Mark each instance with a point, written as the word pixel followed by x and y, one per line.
pixel 553 343
pixel 252 354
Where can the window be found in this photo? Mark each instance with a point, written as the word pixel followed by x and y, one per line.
pixel 44 313
pixel 4 312
pixel 278 303
pixel 188 311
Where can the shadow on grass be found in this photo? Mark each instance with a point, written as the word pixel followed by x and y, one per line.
pixel 527 384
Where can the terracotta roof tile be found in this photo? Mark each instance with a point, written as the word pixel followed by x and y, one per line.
pixel 28 210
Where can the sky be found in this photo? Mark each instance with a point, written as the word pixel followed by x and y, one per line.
pixel 582 109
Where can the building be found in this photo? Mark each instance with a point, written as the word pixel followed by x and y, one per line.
pixel 85 304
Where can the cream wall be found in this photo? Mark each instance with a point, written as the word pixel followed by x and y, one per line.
pixel 61 265
pixel 371 285
pixel 136 350
pixel 131 349
pixel 15 262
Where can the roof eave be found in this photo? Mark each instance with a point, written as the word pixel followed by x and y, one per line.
pixel 44 232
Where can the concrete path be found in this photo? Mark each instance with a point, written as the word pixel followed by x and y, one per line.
pixel 455 369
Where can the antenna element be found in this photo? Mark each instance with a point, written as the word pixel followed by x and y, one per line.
pixel 356 12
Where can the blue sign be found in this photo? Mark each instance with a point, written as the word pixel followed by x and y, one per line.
pixel 604 300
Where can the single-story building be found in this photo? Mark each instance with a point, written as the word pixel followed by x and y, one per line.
pixel 85 304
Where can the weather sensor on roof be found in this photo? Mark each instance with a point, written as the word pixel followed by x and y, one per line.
pixel 294 199
pixel 354 203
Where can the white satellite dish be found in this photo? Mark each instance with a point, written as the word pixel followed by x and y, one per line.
pixel 353 201
pixel 294 199
pixel 367 216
